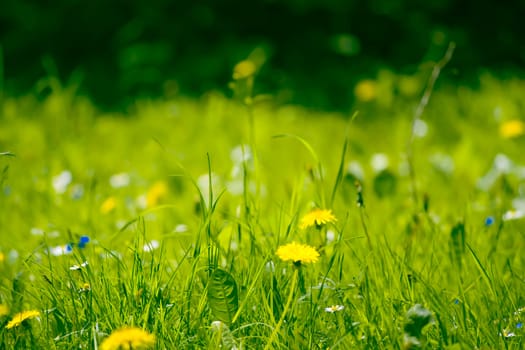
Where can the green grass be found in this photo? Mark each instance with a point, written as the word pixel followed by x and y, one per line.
pixel 216 258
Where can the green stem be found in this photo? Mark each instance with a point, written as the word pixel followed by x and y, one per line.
pixel 286 309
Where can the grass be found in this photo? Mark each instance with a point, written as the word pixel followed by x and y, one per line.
pixel 186 202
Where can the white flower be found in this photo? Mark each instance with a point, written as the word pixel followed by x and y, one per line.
pixel 508 334
pixel 61 250
pixel 35 231
pixel 181 228
pixel 442 162
pixel 53 234
pixel 420 128
pixel 218 326
pixel 270 267
pixel 513 215
pixel 12 256
pixel 379 162
pixel 241 154
pixel 487 181
pixel 235 187
pixel 78 267
pixel 151 246
pixel 330 236
pixel 203 182
pixel 142 201
pixel 502 164
pixel 334 308
pixel 119 180
pixel 355 168
pixel 61 181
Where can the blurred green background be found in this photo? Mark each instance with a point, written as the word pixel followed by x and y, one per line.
pixel 316 51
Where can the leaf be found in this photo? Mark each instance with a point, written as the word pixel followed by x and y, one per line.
pixel 385 184
pixel 416 319
pixel 224 337
pixel 457 243
pixel 223 298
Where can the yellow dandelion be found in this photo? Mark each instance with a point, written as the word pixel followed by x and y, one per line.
pixel 317 217
pixel 365 90
pixel 128 338
pixel 4 310
pixel 108 205
pixel 244 70
pixel 2 257
pixel 21 317
pixel 156 193
pixel 512 128
pixel 86 287
pixel 298 253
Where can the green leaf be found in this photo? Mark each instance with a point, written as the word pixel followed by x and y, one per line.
pixel 416 319
pixel 223 298
pixel 457 243
pixel 385 184
pixel 223 336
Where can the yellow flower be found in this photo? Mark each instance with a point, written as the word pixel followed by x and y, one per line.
pixel 86 287
pixel 365 90
pixel 317 217
pixel 244 69
pixel 21 317
pixel 512 128
pixel 108 205
pixel 298 253
pixel 128 338
pixel 2 257
pixel 156 193
pixel 4 310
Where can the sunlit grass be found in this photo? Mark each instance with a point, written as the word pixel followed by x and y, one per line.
pixel 171 220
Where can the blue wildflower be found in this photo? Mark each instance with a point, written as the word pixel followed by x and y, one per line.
pixel 519 325
pixel 83 241
pixel 489 220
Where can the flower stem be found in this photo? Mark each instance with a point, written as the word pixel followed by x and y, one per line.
pixel 286 309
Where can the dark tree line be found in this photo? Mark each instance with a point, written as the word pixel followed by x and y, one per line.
pixel 120 50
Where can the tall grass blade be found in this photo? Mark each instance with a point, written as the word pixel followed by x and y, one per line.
pixel 483 271
pixel 340 173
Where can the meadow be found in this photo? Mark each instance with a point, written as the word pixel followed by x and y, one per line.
pixel 241 223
